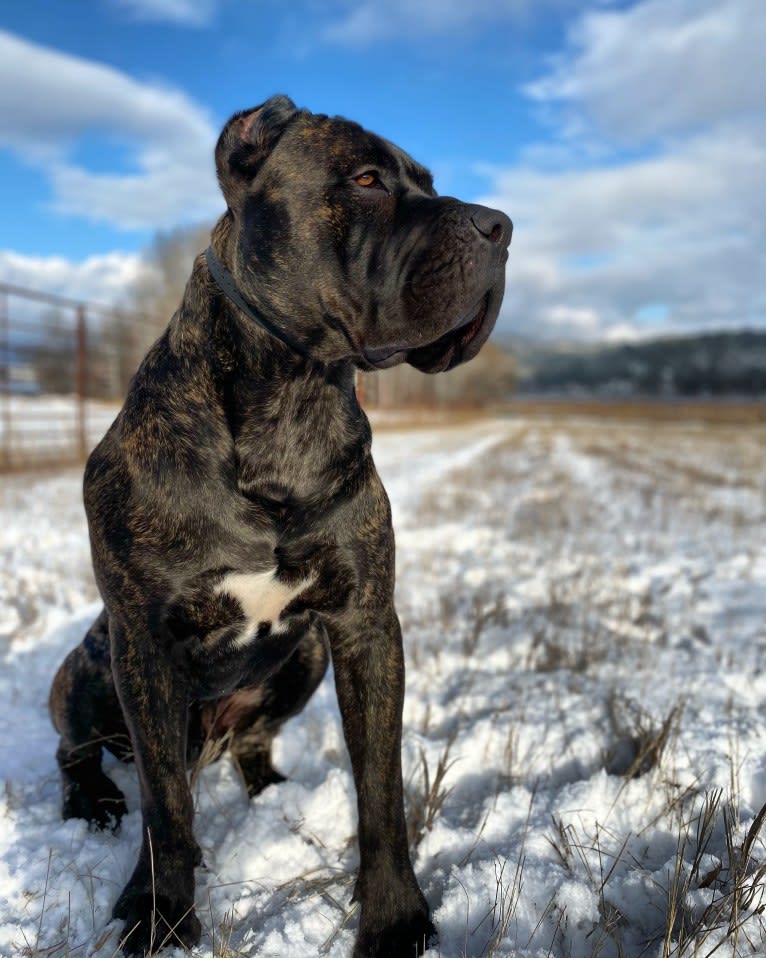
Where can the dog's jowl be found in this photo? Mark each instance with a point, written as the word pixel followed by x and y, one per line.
pixel 240 534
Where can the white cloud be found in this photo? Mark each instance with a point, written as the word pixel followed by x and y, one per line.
pixel 191 13
pixel 674 239
pixel 662 67
pixel 686 230
pixel 50 100
pixel 103 278
pixel 622 333
pixel 569 318
pixel 365 21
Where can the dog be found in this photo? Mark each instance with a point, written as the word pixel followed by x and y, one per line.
pixel 239 531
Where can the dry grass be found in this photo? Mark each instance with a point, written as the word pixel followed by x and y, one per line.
pixel 424 417
pixel 509 882
pixel 640 741
pixel 732 878
pixel 703 410
pixel 425 798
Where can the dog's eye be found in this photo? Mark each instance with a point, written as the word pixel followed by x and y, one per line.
pixel 370 178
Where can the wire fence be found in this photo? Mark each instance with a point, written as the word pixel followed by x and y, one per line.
pixel 64 367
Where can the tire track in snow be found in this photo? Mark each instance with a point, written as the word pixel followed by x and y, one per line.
pixel 415 463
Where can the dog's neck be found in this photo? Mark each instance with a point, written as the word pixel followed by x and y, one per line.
pixel 228 286
pixel 294 422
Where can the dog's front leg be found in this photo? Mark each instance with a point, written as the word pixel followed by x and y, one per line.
pixel 157 904
pixel 369 678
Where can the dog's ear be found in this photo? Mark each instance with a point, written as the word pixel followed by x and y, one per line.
pixel 247 139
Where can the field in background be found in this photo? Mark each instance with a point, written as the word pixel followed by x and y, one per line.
pixel 584 607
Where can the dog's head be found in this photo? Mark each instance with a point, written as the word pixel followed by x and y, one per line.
pixel 339 237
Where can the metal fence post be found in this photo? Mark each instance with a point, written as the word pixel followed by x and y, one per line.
pixel 81 382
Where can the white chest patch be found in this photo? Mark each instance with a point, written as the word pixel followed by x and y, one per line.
pixel 262 597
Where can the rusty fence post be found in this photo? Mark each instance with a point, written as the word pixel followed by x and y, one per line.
pixel 81 381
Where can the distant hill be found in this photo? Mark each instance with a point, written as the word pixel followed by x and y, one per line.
pixel 710 364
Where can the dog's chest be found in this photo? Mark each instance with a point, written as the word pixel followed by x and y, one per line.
pixel 228 610
pixel 234 631
pixel 262 598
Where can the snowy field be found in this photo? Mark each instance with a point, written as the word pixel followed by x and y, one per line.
pixel 584 608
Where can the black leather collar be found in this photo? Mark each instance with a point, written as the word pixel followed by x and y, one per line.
pixel 228 287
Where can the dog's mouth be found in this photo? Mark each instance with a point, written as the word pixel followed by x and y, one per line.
pixel 450 349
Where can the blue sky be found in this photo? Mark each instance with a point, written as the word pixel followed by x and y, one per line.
pixel 627 140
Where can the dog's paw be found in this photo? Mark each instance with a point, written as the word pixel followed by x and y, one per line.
pixel 258 772
pixel 257 784
pixel 97 800
pixel 405 937
pixel 154 922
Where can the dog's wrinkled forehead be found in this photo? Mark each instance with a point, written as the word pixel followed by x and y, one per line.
pixel 346 148
pixel 250 136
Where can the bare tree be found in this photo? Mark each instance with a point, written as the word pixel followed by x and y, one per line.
pixel 157 293
pixel 489 378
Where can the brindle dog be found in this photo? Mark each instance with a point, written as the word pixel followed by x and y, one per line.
pixel 239 530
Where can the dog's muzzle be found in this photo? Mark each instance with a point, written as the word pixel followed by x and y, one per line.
pixel 465 337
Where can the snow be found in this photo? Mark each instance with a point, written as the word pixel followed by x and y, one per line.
pixel 584 609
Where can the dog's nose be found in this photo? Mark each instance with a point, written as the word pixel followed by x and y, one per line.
pixel 492 224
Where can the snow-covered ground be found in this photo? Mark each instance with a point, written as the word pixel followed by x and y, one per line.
pixel 584 607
